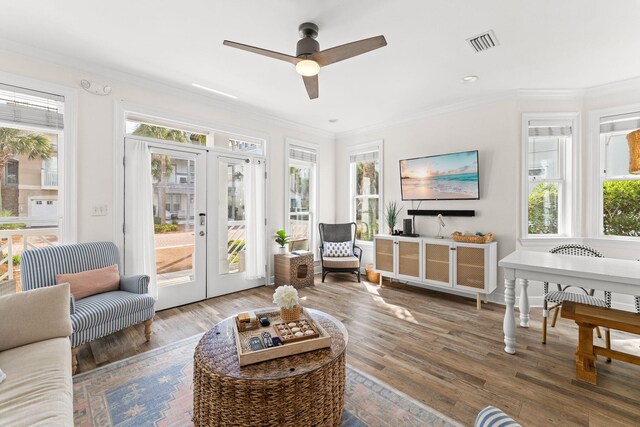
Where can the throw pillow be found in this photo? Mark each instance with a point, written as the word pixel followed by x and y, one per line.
pixel 92 282
pixel 338 249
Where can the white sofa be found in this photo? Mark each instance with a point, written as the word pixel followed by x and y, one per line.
pixel 35 355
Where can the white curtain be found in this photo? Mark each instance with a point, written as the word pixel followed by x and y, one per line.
pixel 255 216
pixel 140 255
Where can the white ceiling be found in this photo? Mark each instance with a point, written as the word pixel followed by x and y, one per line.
pixel 545 44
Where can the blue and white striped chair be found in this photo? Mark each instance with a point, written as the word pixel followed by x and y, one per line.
pixel 494 417
pixel 98 315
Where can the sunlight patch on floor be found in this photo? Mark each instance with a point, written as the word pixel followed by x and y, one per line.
pixel 400 312
pixel 372 289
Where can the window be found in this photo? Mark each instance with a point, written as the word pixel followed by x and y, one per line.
pixel 619 188
pixel 49 175
pixel 11 173
pixel 149 128
pixel 301 195
pixel 366 202
pixel 254 147
pixel 31 128
pixel 31 131
pixel 548 155
pixel 137 124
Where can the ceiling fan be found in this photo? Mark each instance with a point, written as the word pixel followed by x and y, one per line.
pixel 309 58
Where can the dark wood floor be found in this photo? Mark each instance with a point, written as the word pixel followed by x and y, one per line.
pixel 432 346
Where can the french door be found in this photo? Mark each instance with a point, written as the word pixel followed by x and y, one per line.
pixel 179 178
pixel 238 244
pixel 208 218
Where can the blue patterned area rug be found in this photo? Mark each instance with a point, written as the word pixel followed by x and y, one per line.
pixel 155 389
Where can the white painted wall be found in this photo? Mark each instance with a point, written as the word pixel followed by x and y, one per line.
pixel 494 129
pixel 96 139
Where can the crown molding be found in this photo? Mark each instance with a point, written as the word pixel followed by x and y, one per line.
pixel 550 93
pixel 434 111
pixel 617 86
pixel 591 91
pixel 599 90
pixel 152 83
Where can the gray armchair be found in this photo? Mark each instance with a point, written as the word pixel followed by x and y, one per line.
pixel 98 315
pixel 340 233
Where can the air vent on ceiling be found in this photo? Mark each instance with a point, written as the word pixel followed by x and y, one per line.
pixel 484 41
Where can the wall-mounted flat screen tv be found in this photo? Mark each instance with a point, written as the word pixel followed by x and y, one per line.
pixel 443 177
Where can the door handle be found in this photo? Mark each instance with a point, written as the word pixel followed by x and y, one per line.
pixel 203 217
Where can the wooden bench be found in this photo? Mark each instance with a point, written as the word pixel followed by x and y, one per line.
pixel 588 317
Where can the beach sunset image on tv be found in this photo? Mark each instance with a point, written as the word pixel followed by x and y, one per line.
pixel 443 177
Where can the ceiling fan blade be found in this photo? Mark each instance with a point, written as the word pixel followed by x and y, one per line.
pixel 271 54
pixel 311 83
pixel 349 50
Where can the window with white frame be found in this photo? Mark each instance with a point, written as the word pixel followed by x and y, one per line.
pixel 152 128
pixel 167 130
pixel 619 171
pixel 301 196
pixel 31 133
pixel 365 166
pixel 548 155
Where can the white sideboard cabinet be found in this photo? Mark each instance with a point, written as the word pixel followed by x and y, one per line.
pixel 469 268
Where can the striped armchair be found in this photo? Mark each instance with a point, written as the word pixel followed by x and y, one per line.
pixel 98 315
pixel 494 417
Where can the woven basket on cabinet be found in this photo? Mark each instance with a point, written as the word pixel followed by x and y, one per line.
pixel 466 238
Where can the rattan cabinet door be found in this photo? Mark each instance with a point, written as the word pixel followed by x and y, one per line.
pixel 384 254
pixel 409 258
pixel 470 267
pixel 437 263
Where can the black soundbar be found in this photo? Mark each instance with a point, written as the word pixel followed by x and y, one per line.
pixel 423 212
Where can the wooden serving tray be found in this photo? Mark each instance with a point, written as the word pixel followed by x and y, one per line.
pixel 286 333
pixel 248 357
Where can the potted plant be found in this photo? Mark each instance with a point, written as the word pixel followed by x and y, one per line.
pixel 286 297
pixel 282 238
pixel 392 213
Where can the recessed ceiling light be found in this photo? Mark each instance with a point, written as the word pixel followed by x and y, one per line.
pixel 469 79
pixel 333 120
pixel 213 90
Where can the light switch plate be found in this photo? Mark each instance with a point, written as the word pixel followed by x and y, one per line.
pixel 99 210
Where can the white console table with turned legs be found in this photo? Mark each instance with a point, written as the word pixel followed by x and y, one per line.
pixel 606 274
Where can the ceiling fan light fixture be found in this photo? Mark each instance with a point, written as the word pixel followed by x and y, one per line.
pixel 307 68
pixel 309 58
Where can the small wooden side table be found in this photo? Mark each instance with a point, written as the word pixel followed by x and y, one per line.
pixel 294 270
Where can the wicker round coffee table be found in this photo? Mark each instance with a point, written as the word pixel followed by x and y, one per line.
pixel 302 390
